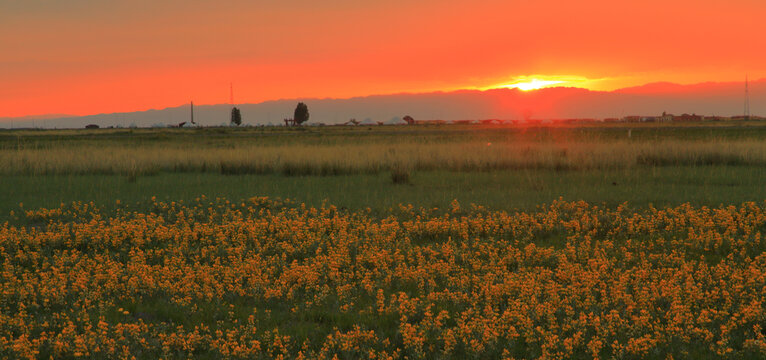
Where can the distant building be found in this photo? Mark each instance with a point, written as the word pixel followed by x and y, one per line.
pixel 430 122
pixel 631 118
pixel 649 119
pixel 665 117
pixel 687 118
pixel 577 120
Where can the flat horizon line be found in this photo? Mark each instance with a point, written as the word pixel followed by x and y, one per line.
pixel 55 116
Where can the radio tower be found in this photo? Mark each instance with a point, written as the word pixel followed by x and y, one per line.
pixel 747 101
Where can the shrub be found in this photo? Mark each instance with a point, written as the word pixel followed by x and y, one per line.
pixel 400 174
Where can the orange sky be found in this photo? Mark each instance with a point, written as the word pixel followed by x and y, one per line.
pixel 92 56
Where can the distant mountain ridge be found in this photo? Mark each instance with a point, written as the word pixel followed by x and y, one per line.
pixel 722 99
pixel 657 88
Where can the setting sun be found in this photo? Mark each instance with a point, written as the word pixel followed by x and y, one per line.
pixel 533 84
pixel 103 57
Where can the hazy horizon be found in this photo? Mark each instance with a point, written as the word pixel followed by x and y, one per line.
pixel 709 99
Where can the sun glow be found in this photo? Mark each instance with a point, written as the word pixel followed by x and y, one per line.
pixel 535 82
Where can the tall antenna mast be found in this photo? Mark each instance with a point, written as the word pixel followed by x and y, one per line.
pixel 747 100
pixel 192 113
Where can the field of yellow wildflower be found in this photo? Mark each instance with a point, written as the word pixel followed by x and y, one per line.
pixel 271 278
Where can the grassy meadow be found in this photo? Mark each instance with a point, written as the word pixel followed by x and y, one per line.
pixel 504 167
pixel 574 241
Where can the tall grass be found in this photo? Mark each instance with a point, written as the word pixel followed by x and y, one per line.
pixel 353 158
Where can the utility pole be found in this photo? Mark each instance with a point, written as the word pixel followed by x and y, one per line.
pixel 192 113
pixel 747 100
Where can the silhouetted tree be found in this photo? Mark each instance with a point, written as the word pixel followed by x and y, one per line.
pixel 408 119
pixel 301 113
pixel 236 117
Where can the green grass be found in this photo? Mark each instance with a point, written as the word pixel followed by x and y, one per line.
pixel 501 190
pixel 731 130
pixel 707 164
pixel 712 172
